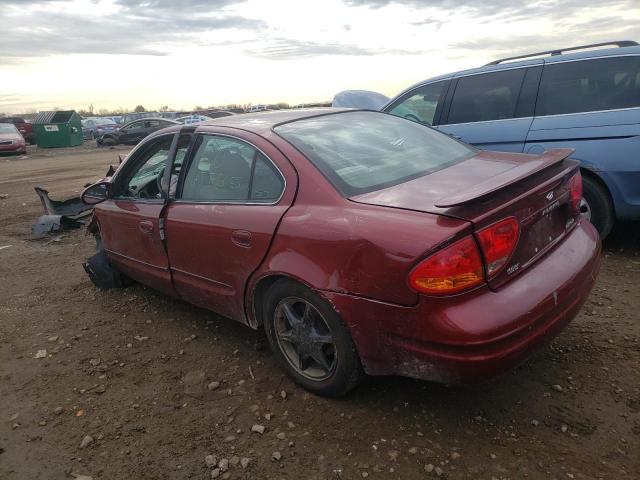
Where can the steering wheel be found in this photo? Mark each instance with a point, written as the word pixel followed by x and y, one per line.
pixel 159 180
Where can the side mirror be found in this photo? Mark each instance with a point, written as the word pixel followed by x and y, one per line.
pixel 96 193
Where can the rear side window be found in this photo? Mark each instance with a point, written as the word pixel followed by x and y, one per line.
pixel 420 105
pixel 589 85
pixel 225 169
pixel 360 152
pixel 490 96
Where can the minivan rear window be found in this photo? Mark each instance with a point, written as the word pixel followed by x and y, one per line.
pixel 589 85
pixel 363 151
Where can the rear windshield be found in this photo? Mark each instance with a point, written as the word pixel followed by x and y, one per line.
pixel 360 152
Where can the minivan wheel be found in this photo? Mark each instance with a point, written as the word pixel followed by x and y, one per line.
pixel 596 206
pixel 310 341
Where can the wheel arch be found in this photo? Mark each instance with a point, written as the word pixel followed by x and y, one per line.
pixel 591 175
pixel 257 291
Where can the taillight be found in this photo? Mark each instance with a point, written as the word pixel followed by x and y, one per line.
pixel 575 191
pixel 498 242
pixel 455 268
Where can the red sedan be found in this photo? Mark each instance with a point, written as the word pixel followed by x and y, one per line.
pixel 361 242
pixel 11 140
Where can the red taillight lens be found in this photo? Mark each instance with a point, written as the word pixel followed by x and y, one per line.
pixel 451 270
pixel 575 190
pixel 497 242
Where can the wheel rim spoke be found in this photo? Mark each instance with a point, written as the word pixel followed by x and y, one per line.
pixel 288 336
pixel 321 338
pixel 291 315
pixel 307 315
pixel 320 358
pixel 303 362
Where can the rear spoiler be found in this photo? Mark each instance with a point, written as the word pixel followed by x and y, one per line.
pixel 509 177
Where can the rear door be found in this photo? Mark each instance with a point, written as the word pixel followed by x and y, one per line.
pixel 129 223
pixel 587 105
pixel 493 111
pixel 232 193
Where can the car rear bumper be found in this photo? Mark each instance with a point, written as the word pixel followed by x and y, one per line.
pixel 480 334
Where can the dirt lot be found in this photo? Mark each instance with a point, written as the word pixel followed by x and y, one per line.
pixel 126 373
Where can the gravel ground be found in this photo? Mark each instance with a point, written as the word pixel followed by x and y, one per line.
pixel 130 384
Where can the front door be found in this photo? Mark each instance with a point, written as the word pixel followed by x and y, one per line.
pixel 130 222
pixel 230 199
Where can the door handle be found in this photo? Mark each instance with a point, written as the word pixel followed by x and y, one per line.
pixel 242 238
pixel 146 226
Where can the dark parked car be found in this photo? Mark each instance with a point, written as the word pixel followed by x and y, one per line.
pixel 360 241
pixel 95 127
pixel 133 132
pixel 24 127
pixel 11 140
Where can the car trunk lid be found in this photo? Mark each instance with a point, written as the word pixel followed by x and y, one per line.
pixel 490 187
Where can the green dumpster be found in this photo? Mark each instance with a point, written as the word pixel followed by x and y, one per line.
pixel 60 128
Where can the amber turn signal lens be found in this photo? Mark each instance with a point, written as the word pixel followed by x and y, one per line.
pixel 456 268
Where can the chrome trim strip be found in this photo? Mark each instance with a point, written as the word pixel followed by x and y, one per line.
pixel 173 269
pixel 136 260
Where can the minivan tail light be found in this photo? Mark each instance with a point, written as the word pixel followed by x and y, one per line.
pixel 497 242
pixel 453 269
pixel 575 191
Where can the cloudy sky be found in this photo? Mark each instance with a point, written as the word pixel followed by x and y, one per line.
pixel 117 54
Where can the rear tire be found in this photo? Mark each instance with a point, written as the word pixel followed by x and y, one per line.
pixel 339 369
pixel 597 206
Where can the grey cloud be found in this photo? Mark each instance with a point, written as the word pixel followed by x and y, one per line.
pixel 286 49
pixel 507 9
pixel 138 29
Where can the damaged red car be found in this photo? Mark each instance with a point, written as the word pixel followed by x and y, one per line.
pixel 361 242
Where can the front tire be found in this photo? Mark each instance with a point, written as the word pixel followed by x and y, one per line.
pixel 597 206
pixel 310 341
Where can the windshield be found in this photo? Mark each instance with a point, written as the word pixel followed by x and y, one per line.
pixel 360 152
pixel 7 128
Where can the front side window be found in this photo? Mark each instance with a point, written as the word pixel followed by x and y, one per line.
pixel 360 152
pixel 227 169
pixel 589 85
pixel 143 179
pixel 489 96
pixel 421 104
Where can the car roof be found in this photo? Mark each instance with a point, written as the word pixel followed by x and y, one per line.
pixel 578 55
pixel 260 122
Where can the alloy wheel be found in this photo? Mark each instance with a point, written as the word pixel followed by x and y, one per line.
pixel 305 339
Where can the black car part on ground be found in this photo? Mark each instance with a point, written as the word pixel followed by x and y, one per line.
pixel 53 223
pixel 59 214
pixel 71 207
